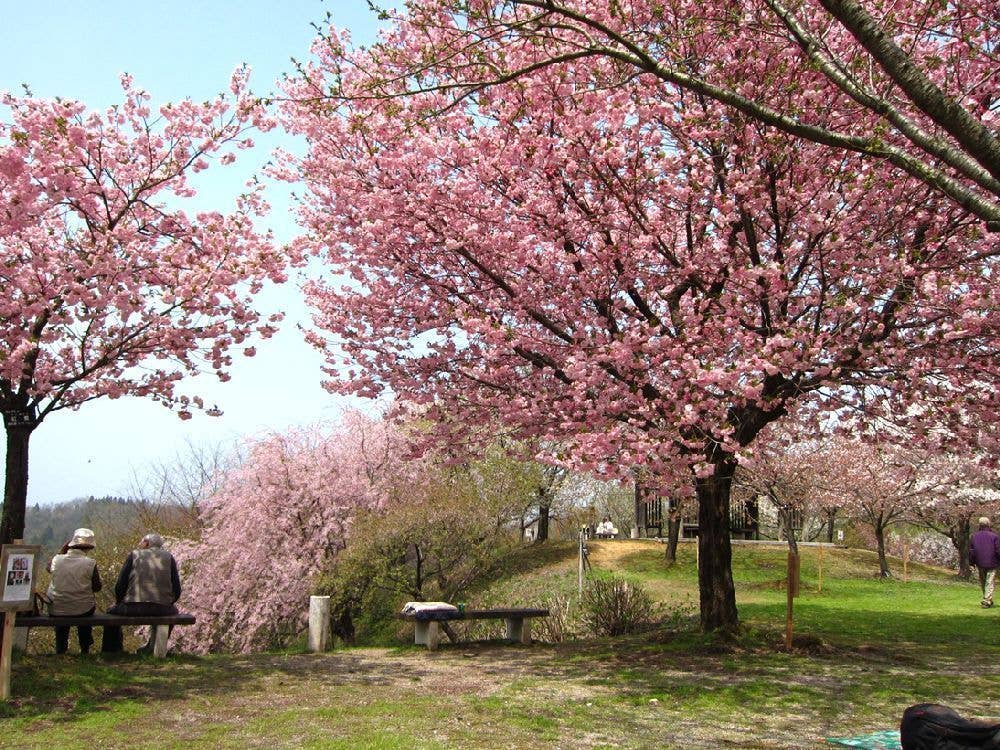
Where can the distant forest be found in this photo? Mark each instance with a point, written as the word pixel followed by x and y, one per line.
pixel 53 525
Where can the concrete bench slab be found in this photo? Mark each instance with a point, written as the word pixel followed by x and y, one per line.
pixel 429 624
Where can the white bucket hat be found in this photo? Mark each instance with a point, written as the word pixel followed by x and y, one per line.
pixel 82 538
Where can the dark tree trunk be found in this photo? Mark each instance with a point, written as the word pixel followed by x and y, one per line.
pixel 342 626
pixel 15 493
pixel 715 557
pixel 883 562
pixel 640 509
pixel 788 517
pixel 544 507
pixel 418 573
pixel 960 535
pixel 673 534
pixel 830 516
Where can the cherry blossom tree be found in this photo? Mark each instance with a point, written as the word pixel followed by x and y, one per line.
pixel 619 266
pixel 912 84
pixel 962 488
pixel 786 476
pixel 279 519
pixel 878 485
pixel 111 288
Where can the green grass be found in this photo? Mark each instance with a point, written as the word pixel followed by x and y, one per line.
pixel 931 610
pixel 865 649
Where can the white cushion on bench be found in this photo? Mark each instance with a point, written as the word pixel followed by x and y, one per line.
pixel 411 608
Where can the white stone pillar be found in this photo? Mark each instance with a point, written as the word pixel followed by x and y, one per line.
pixel 21 639
pixel 518 629
pixel 159 635
pixel 319 623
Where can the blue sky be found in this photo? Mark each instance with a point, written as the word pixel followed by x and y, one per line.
pixel 174 50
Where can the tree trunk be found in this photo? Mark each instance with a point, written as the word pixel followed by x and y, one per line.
pixel 717 593
pixel 961 534
pixel 673 534
pixel 418 574
pixel 793 545
pixel 830 516
pixel 544 507
pixel 640 509
pixel 15 493
pixel 883 562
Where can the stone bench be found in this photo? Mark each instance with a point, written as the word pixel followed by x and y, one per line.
pixel 429 624
pixel 160 623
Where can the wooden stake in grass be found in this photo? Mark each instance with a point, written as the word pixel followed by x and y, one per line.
pixel 906 562
pixel 5 654
pixel 793 564
pixel 19 571
pixel 819 586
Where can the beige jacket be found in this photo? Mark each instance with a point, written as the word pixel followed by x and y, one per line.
pixel 72 586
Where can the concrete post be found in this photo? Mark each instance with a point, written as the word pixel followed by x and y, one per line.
pixel 159 635
pixel 21 639
pixel 319 623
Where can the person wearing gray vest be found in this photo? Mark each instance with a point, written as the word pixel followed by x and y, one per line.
pixel 148 584
pixel 75 579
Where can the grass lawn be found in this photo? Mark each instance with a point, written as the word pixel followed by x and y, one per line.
pixel 865 649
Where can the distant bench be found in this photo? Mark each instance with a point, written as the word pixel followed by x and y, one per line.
pixel 429 624
pixel 160 623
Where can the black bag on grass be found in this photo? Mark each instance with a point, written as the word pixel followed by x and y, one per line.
pixel 929 726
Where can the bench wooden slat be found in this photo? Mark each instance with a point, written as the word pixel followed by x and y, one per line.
pixel 101 619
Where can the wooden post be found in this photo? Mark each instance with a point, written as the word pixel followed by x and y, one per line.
pixel 580 573
pixel 319 623
pixel 906 561
pixel 790 605
pixel 797 574
pixel 7 634
pixel 5 654
pixel 819 587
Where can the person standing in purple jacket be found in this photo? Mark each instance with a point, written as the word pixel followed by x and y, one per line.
pixel 984 553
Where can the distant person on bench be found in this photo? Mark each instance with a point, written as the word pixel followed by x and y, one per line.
pixel 75 579
pixel 606 529
pixel 148 585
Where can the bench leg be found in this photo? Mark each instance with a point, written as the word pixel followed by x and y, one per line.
pixel 160 635
pixel 518 629
pixel 420 633
pixel 20 641
pixel 433 635
pixel 427 633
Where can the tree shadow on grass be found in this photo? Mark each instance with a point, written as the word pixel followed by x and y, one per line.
pixel 831 683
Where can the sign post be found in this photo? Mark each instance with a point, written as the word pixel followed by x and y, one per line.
pixel 19 565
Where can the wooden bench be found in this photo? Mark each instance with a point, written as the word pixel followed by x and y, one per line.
pixel 429 624
pixel 159 623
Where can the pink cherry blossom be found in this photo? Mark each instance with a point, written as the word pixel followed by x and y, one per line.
pixel 111 288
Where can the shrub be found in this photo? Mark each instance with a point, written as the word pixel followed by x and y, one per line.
pixel 613 606
pixel 435 541
pixel 558 626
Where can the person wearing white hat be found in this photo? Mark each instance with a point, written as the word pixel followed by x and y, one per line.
pixel 75 579
pixel 984 553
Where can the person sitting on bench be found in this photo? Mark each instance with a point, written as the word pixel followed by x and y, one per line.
pixel 606 529
pixel 148 585
pixel 75 579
